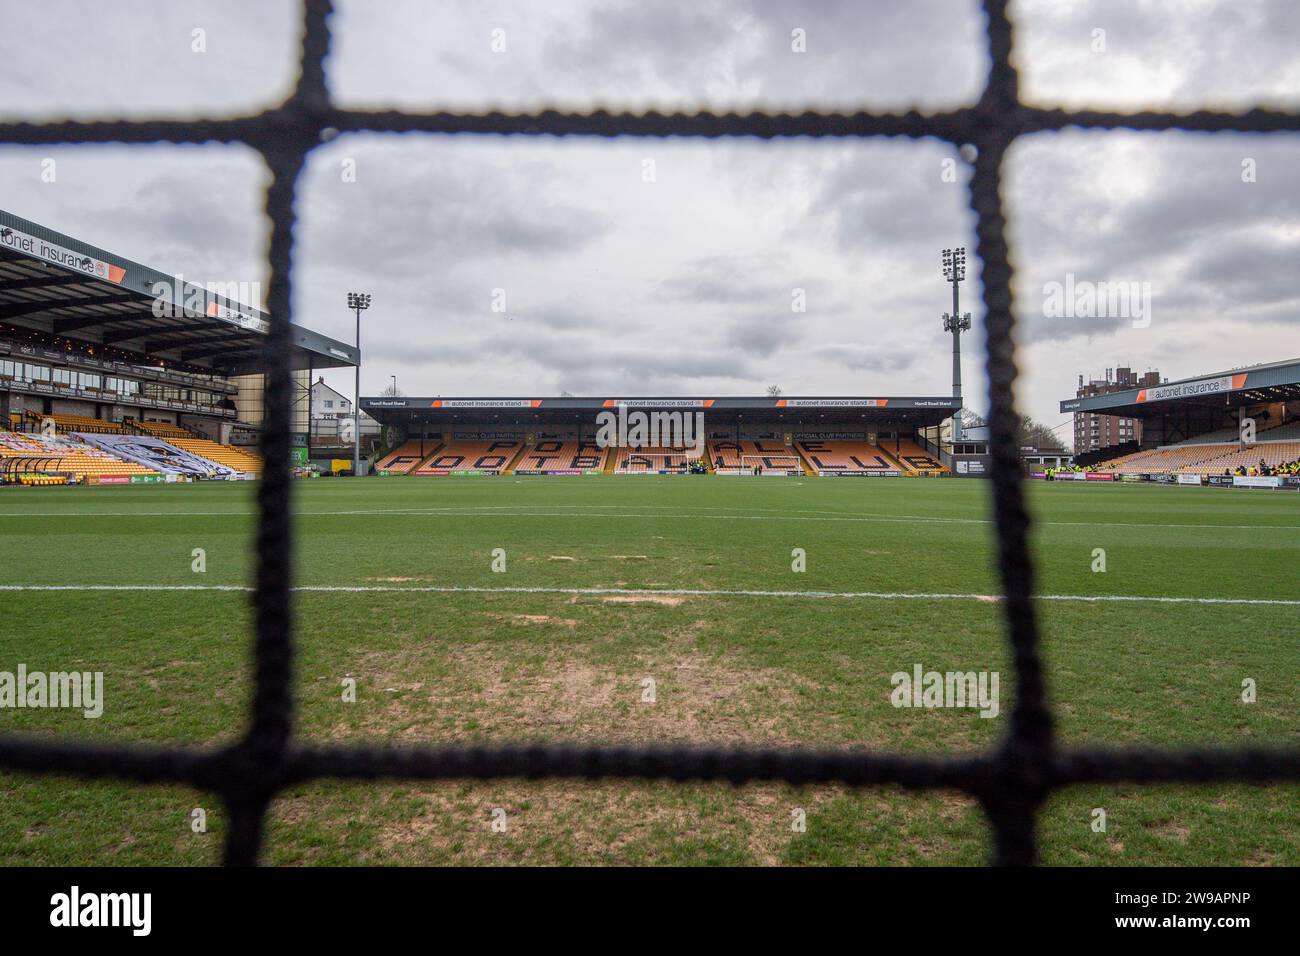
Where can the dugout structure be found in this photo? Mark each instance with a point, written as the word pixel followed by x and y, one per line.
pixel 14 468
pixel 1011 782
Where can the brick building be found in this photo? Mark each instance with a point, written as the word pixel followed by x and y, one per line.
pixel 1092 431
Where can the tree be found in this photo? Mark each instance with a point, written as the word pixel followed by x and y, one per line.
pixel 774 391
pixel 1036 434
pixel 392 391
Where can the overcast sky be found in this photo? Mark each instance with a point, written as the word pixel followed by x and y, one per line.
pixel 673 267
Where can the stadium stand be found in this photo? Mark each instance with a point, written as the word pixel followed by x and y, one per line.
pixel 490 456
pixel 64 423
pixel 560 457
pixel 1230 435
pixel 228 455
pixel 769 454
pixel 1287 432
pixel 1170 460
pixel 406 456
pixel 1271 453
pixel 651 459
pixel 914 458
pixel 18 443
pixel 846 457
pixel 164 430
pixel 1212 453
pixel 159 455
pixel 69 454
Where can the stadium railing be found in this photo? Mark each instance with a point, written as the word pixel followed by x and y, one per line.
pixel 1011 783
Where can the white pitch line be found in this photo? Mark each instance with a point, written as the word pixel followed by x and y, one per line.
pixel 587 513
pixel 658 592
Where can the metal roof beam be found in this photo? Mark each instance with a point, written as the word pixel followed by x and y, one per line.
pixel 200 337
pixel 125 335
pixel 14 309
pixel 230 349
pixel 40 282
pixel 64 326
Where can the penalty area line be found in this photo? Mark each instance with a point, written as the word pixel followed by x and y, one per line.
pixel 657 592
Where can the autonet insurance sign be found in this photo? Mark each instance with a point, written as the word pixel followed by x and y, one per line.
pixel 38 248
pixel 1201 386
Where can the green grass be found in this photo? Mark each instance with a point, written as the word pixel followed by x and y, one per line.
pixel 498 666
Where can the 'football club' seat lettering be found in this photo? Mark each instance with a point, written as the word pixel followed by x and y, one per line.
pixel 922 462
pixel 879 465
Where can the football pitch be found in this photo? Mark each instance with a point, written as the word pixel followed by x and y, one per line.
pixel 654 609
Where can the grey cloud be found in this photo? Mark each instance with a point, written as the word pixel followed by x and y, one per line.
pixel 1212 247
pixel 865 358
pixel 137 58
pixel 1225 54
pixel 762 338
pixel 735 281
pixel 732 52
pixel 889 200
pixel 410 207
